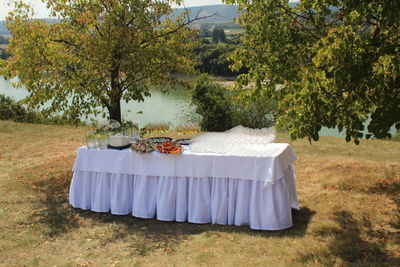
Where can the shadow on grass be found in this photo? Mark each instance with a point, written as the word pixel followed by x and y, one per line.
pixel 52 210
pixel 354 243
pixel 391 190
pixel 58 217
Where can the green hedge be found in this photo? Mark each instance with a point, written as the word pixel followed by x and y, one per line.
pixel 220 109
pixel 11 110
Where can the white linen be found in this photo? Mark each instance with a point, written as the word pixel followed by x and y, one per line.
pixel 268 168
pixel 238 141
pixel 225 201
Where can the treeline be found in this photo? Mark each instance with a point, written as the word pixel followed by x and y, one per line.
pixel 4 54
pixel 3 40
pixel 213 50
pixel 14 111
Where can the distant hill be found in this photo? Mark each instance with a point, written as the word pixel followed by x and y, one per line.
pixel 224 13
pixel 3 28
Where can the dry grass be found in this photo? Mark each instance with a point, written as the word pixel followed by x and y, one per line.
pixel 349 197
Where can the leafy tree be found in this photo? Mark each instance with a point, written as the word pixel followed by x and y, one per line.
pixel 338 62
pixel 101 52
pixel 213 58
pixel 218 35
pixel 3 40
pixel 205 29
pixel 212 105
pixel 4 54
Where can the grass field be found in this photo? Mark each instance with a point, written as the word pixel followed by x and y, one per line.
pixel 349 197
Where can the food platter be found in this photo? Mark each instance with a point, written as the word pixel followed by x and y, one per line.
pixel 143 146
pixel 169 147
pixel 159 140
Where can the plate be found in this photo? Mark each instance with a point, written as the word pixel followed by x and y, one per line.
pixel 159 140
pixel 184 142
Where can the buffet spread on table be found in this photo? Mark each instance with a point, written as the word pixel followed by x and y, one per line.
pixel 166 180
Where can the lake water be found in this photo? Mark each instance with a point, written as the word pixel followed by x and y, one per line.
pixel 173 107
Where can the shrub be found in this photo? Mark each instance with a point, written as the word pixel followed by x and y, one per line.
pixel 254 113
pixel 212 105
pixel 10 110
pixel 220 109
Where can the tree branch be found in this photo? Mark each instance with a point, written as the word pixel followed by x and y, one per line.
pixel 142 44
pixel 64 42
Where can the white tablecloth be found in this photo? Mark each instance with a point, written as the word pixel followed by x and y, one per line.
pixel 199 188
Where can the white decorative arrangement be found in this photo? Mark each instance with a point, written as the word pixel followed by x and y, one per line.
pixel 119 140
pixel 239 141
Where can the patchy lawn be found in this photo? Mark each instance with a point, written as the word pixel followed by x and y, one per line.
pixel 349 197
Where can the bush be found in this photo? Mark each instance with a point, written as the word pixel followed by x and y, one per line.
pixel 11 110
pixel 220 109
pixel 254 114
pixel 4 54
pixel 212 105
pixel 213 58
pixel 396 137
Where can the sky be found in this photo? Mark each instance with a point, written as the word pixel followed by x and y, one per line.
pixel 42 12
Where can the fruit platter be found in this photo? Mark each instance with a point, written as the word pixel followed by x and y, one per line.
pixel 169 147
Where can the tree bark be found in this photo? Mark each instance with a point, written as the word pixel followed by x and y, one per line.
pixel 115 110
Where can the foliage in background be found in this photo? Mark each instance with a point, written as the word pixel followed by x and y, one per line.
pixel 3 40
pixel 252 110
pixel 11 110
pixel 339 62
pixel 100 53
pixel 4 54
pixel 220 109
pixel 212 104
pixel 213 58
pixel 218 35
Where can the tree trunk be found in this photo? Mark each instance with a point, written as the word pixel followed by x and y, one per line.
pixel 115 95
pixel 115 110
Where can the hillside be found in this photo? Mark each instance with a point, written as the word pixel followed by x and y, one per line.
pixel 4 30
pixel 349 199
pixel 223 14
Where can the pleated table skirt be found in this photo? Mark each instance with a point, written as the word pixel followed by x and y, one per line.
pixel 224 201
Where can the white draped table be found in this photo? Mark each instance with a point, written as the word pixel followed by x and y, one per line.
pixel 258 191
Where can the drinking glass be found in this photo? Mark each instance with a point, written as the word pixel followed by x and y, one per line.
pixel 133 132
pixel 102 140
pixel 90 140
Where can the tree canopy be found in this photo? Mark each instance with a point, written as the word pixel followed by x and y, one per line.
pixel 101 52
pixel 327 63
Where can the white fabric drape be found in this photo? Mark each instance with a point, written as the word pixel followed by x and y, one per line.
pixel 268 168
pixel 225 201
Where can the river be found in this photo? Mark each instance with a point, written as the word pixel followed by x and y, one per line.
pixel 174 107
